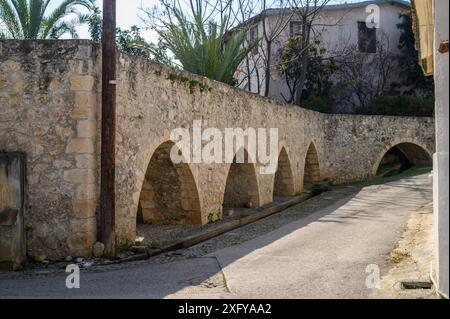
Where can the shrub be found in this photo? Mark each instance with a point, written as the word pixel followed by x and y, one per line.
pixel 319 104
pixel 402 105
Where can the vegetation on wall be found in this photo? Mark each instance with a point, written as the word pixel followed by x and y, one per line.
pixel 32 19
pixel 399 105
pixel 319 104
pixel 191 83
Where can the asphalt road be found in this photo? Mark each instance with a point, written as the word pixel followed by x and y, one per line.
pixel 324 255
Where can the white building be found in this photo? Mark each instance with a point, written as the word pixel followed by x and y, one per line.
pixel 339 28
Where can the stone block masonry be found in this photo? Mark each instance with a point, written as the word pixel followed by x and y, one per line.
pixel 49 109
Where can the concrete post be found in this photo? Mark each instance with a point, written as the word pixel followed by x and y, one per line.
pixel 441 164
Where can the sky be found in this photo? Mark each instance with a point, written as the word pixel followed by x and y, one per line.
pixel 129 13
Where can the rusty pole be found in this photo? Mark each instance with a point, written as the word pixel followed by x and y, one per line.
pixel 108 139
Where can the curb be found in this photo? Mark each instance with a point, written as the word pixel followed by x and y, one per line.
pixel 228 226
pixel 145 252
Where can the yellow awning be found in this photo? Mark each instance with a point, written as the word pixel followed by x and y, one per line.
pixel 423 28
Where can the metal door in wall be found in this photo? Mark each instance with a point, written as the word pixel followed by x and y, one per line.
pixel 12 234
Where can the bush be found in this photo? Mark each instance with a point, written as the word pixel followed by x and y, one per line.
pixel 319 104
pixel 402 105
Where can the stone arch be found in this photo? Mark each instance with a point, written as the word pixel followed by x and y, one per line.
pixel 241 188
pixel 312 166
pixel 169 194
pixel 284 180
pixel 415 154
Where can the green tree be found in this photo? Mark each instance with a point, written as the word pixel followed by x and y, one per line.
pixel 95 23
pixel 318 84
pixel 410 71
pixel 291 66
pixel 30 19
pixel 205 48
pixel 128 41
pixel 131 41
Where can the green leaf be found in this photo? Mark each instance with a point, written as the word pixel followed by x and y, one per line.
pixel 206 49
pixel 28 19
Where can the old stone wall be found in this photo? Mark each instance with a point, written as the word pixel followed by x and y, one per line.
pixel 356 144
pixel 50 101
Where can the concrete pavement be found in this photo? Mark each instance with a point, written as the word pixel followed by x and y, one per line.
pixel 323 255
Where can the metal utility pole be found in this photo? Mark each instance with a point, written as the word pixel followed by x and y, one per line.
pixel 108 143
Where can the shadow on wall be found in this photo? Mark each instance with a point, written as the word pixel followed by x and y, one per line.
pixel 241 189
pixel 402 157
pixel 312 167
pixel 284 180
pixel 169 194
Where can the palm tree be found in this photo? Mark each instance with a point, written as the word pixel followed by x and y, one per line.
pixel 207 50
pixel 28 19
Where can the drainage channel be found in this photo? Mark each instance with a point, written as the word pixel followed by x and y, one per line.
pixel 412 285
pixel 228 226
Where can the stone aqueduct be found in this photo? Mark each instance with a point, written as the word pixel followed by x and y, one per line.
pixel 49 109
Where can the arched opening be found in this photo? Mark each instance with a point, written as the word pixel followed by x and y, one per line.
pixel 169 193
pixel 402 157
pixel 312 168
pixel 241 190
pixel 284 181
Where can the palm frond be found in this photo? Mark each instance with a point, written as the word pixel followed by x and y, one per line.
pixel 9 17
pixel 21 8
pixel 27 19
pixel 62 28
pixel 69 27
pixel 62 11
pixel 201 47
pixel 35 18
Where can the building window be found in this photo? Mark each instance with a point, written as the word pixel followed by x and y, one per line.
pixel 367 38
pixel 254 37
pixel 254 33
pixel 295 28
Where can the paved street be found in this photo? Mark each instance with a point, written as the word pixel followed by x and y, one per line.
pixel 323 255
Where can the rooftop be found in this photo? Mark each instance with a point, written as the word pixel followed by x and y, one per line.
pixel 342 6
